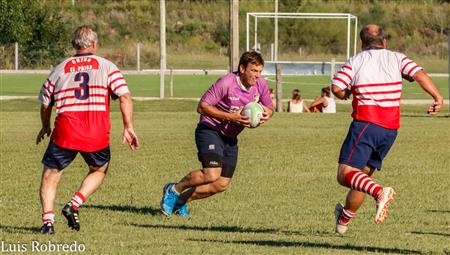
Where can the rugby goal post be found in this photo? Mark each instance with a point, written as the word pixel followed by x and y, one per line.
pixel 351 20
pixel 275 63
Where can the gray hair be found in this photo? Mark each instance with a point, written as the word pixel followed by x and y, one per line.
pixel 83 37
pixel 372 35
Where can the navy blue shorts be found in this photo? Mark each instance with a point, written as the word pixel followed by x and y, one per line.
pixel 366 144
pixel 216 150
pixel 59 158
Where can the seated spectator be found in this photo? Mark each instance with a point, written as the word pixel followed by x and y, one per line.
pixel 296 103
pixel 324 103
pixel 272 96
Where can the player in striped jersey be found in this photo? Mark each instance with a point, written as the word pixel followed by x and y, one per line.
pixel 374 79
pixel 80 89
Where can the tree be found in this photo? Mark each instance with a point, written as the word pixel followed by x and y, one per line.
pixel 13 21
pixel 41 32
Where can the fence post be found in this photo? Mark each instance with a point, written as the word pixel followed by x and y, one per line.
pixel 332 67
pixel 162 47
pixel 16 56
pixel 332 72
pixel 138 56
pixel 279 92
pixel 234 35
pixel 171 81
pixel 272 53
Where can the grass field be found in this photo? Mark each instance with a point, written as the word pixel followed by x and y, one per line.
pixel 280 201
pixel 194 85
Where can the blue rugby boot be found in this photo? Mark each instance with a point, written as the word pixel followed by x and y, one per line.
pixel 182 210
pixel 169 198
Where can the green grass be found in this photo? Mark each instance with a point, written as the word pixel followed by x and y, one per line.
pixel 204 60
pixel 280 201
pixel 194 85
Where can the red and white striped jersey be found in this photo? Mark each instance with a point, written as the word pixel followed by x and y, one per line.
pixel 80 88
pixel 375 79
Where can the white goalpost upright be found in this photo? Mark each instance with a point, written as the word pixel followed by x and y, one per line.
pixel 351 19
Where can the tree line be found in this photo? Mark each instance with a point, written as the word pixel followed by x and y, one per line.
pixel 43 28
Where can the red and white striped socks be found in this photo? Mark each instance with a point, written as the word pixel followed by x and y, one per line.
pixel 77 200
pixel 358 180
pixel 346 216
pixel 48 217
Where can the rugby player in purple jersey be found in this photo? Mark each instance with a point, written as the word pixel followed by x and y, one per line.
pixel 216 133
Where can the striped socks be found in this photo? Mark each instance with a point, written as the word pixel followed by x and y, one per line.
pixel 77 200
pixel 358 180
pixel 346 216
pixel 48 217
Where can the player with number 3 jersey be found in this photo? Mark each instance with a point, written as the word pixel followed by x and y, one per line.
pixel 80 89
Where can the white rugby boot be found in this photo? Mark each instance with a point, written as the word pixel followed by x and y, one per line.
pixel 383 200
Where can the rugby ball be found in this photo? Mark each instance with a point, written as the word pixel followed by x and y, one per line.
pixel 254 112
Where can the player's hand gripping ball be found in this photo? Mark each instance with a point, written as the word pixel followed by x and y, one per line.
pixel 254 112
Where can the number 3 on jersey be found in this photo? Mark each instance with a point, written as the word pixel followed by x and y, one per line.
pixel 83 92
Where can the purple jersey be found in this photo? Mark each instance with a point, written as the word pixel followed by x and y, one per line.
pixel 228 95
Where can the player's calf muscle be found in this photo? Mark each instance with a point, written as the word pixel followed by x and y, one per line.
pixel 199 177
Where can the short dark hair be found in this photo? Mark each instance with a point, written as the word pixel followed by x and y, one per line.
pixel 371 39
pixel 250 57
pixel 326 90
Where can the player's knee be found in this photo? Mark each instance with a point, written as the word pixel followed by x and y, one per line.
pixel 51 174
pixel 341 179
pixel 99 169
pixel 221 186
pixel 211 174
pixel 369 170
pixel 342 172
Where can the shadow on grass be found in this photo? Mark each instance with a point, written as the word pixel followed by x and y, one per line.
pixel 438 211
pixel 424 115
pixel 431 233
pixel 21 230
pixel 220 228
pixel 126 208
pixel 345 247
pixel 233 229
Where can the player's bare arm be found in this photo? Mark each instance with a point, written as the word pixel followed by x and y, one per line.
pixel 319 101
pixel 129 136
pixel 46 113
pixel 236 117
pixel 343 94
pixel 427 84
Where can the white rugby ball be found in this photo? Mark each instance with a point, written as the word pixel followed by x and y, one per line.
pixel 254 112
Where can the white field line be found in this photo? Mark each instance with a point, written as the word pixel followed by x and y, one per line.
pixel 299 83
pixel 403 101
